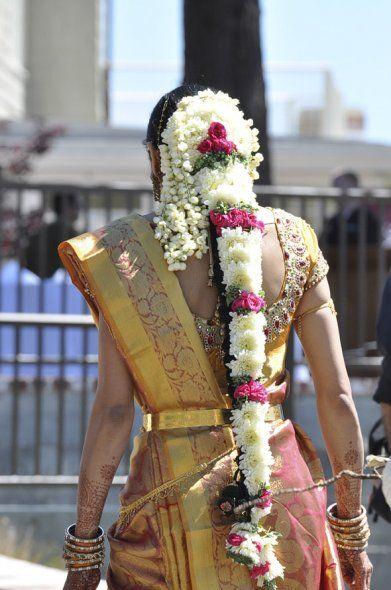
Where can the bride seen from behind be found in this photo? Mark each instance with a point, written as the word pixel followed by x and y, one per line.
pixel 194 305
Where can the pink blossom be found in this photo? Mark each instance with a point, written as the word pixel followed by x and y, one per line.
pixel 237 217
pixel 223 145
pixel 217 130
pixel 219 220
pixel 260 570
pixel 205 146
pixel 248 300
pixel 265 499
pixel 253 221
pixel 253 390
pixel 258 545
pixel 235 539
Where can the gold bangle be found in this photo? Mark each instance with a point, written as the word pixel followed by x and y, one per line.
pixel 84 550
pixel 345 522
pixel 355 538
pixel 83 556
pixel 354 542
pixel 344 529
pixel 85 568
pixel 70 536
pixel 347 547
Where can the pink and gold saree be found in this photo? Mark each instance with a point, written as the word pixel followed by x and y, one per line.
pixel 177 541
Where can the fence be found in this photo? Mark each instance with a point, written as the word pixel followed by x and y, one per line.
pixel 48 348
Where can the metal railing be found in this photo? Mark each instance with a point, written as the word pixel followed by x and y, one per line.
pixel 48 347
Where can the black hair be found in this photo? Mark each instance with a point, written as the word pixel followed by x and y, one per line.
pixel 163 110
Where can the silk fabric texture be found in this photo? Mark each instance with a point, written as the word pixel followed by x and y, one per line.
pixel 178 543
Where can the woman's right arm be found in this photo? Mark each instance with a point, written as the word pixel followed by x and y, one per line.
pixel 106 439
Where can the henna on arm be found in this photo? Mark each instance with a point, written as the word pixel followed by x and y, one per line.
pixel 106 439
pixel 107 434
pixel 336 410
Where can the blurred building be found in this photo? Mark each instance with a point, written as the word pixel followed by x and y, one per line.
pixel 52 57
pixel 12 69
pixel 304 101
pixel 106 155
pixel 55 66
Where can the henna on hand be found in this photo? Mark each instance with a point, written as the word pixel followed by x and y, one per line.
pixel 356 568
pixel 86 580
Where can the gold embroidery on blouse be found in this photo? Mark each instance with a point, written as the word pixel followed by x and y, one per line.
pixel 279 315
pixel 211 331
pixel 318 272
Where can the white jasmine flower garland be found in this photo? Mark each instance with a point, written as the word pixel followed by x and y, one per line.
pixel 209 159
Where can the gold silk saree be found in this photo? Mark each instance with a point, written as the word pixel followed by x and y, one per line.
pixel 177 541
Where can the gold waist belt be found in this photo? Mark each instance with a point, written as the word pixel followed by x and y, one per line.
pixel 202 417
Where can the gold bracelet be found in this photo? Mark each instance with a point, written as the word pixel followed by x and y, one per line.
pixel 85 568
pixel 83 556
pixel 345 522
pixel 70 536
pixel 80 549
pixel 344 529
pixel 352 544
pixel 353 540
pixel 347 547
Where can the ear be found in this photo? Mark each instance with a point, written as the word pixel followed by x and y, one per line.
pixel 154 156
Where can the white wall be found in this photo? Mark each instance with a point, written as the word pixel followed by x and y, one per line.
pixel 62 57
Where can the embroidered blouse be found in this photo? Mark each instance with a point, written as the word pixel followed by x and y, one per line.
pixel 305 267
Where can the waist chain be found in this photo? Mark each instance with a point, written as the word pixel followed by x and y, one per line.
pixel 184 419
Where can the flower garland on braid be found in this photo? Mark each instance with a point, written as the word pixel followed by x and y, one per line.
pixel 209 159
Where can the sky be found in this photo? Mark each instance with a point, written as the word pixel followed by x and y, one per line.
pixel 351 37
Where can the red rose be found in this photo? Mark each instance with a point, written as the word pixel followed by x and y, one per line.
pixel 223 145
pixel 258 546
pixel 237 217
pixel 235 539
pixel 219 220
pixel 265 499
pixel 260 570
pixel 253 221
pixel 217 131
pixel 205 146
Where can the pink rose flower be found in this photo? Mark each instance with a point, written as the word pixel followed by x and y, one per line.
pixel 259 570
pixel 249 301
pixel 217 130
pixel 258 546
pixel 253 390
pixel 223 145
pixel 205 146
pixel 265 499
pixel 235 539
pixel 237 217
pixel 253 221
pixel 219 220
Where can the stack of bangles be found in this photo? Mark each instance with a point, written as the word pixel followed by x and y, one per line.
pixel 349 533
pixel 83 554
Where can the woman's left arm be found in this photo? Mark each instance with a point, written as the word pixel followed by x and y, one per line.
pixel 337 414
